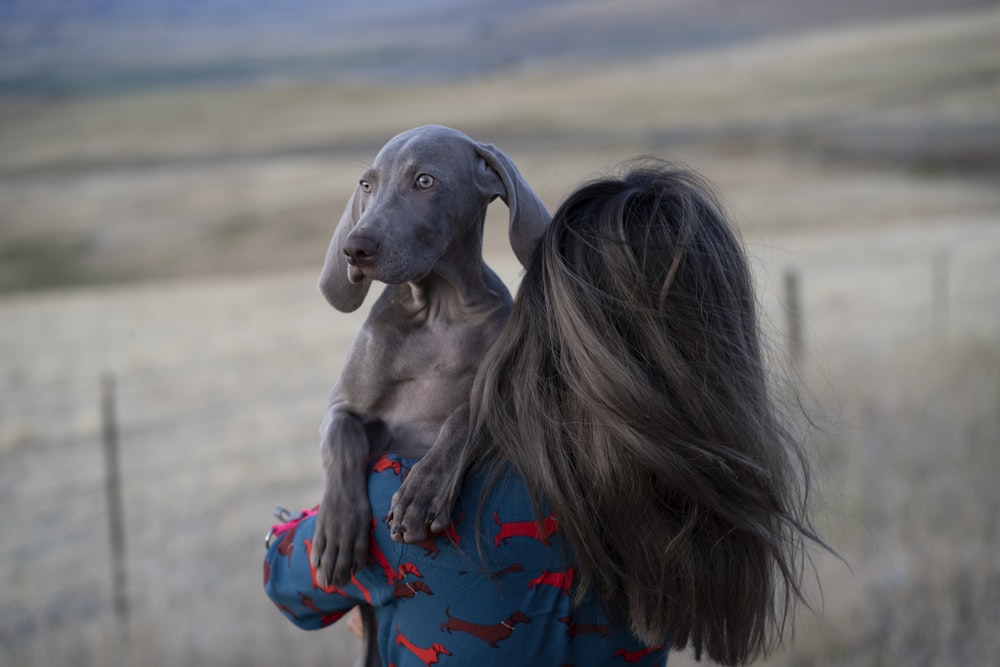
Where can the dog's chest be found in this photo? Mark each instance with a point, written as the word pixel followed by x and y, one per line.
pixel 414 378
pixel 434 349
pixel 426 364
pixel 430 341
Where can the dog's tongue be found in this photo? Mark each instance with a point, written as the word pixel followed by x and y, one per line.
pixel 355 274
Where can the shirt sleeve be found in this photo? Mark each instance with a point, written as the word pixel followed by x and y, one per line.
pixel 290 579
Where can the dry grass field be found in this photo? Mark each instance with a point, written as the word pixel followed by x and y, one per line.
pixel 178 236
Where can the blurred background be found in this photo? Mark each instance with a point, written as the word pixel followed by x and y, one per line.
pixel 170 173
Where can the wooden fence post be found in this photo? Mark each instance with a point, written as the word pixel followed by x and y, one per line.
pixel 112 478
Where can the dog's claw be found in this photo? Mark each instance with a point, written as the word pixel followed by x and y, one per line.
pixel 439 526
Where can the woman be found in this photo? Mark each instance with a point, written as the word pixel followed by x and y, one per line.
pixel 624 424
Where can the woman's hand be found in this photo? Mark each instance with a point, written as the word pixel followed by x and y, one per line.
pixel 354 623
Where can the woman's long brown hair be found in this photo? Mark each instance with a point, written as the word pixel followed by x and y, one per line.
pixel 629 391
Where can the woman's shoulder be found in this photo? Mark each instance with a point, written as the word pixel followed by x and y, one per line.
pixel 494 518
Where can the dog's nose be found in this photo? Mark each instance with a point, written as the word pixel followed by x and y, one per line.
pixel 360 250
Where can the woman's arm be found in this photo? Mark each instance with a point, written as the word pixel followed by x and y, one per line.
pixel 290 579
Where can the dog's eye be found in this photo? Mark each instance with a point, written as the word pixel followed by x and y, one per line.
pixel 365 186
pixel 425 181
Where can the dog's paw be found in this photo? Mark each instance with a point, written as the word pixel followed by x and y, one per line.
pixel 340 540
pixel 422 505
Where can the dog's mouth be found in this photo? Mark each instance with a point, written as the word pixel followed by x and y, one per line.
pixel 354 273
pixel 388 272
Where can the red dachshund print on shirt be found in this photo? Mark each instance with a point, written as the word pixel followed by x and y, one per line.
pixel 562 580
pixel 491 634
pixel 392 575
pixel 525 529
pixel 574 629
pixel 287 545
pixel 385 463
pixel 429 545
pixel 409 589
pixel 429 656
pixel 326 617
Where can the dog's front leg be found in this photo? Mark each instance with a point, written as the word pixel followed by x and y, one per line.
pixel 427 495
pixel 340 541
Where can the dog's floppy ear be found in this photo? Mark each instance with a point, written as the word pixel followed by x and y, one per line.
pixel 528 216
pixel 342 294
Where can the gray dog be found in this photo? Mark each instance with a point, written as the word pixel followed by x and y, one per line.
pixel 415 222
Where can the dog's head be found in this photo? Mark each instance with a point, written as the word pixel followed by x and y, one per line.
pixel 423 198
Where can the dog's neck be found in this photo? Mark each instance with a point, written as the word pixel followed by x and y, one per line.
pixel 461 285
pixel 457 293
